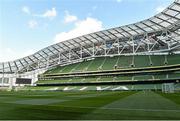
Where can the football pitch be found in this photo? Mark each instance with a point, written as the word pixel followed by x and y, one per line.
pixel 89 105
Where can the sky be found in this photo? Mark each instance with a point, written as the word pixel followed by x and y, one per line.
pixel 27 26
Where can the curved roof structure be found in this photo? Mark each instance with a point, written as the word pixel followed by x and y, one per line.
pixel 160 31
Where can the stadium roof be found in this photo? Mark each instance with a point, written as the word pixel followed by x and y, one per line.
pixel 169 20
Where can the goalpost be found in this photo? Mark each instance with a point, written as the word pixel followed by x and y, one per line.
pixel 168 88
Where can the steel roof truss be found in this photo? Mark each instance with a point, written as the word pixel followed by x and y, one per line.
pixel 9 66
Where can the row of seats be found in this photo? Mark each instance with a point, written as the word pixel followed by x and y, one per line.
pixel 116 78
pixel 118 62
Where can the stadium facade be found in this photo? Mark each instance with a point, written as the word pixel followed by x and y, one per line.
pixel 158 35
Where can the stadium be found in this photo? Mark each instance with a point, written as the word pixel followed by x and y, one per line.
pixel 127 72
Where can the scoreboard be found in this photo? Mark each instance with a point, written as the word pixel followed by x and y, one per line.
pixel 23 81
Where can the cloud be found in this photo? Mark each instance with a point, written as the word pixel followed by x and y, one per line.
pixel 50 13
pixel 82 27
pixel 47 14
pixel 32 24
pixel 69 18
pixel 26 10
pixel 119 1
pixel 159 9
pixel 9 54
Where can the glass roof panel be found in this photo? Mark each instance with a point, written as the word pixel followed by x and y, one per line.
pixel 113 31
pixel 140 31
pixel 156 27
pixel 176 7
pixel 106 32
pixel 119 35
pixel 100 34
pixel 119 30
pixel 111 36
pixel 141 25
pixel 133 27
pixel 6 69
pixel 18 64
pixel 106 38
pixel 156 20
pixel 99 38
pixel 178 16
pixel 162 16
pixel 165 24
pixel 23 62
pixel 171 12
pixel 12 64
pixel 147 29
pixel 126 28
pixel 125 34
pixel 132 32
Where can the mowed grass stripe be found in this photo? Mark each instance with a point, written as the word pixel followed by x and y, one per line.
pixel 58 111
pixel 142 105
pixel 175 97
pixel 145 100
pixel 98 99
pixel 89 105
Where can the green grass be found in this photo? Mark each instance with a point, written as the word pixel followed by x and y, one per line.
pixel 89 105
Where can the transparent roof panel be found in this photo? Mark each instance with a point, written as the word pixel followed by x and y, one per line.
pixel 171 12
pixel 162 16
pixel 132 32
pixel 126 28
pixel 156 20
pixel 106 32
pixel 176 7
pixel 165 24
pixel 133 27
pixel 178 16
pixel 113 31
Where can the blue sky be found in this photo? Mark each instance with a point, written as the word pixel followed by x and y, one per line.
pixel 27 26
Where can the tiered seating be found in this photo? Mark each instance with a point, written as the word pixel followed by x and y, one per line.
pixel 174 75
pixel 69 68
pixel 83 66
pixel 160 76
pixel 121 62
pixel 143 77
pixel 114 79
pixel 110 63
pixel 141 61
pixel 158 60
pixel 123 78
pixel 96 64
pixel 173 59
pixel 125 61
pixel 106 66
